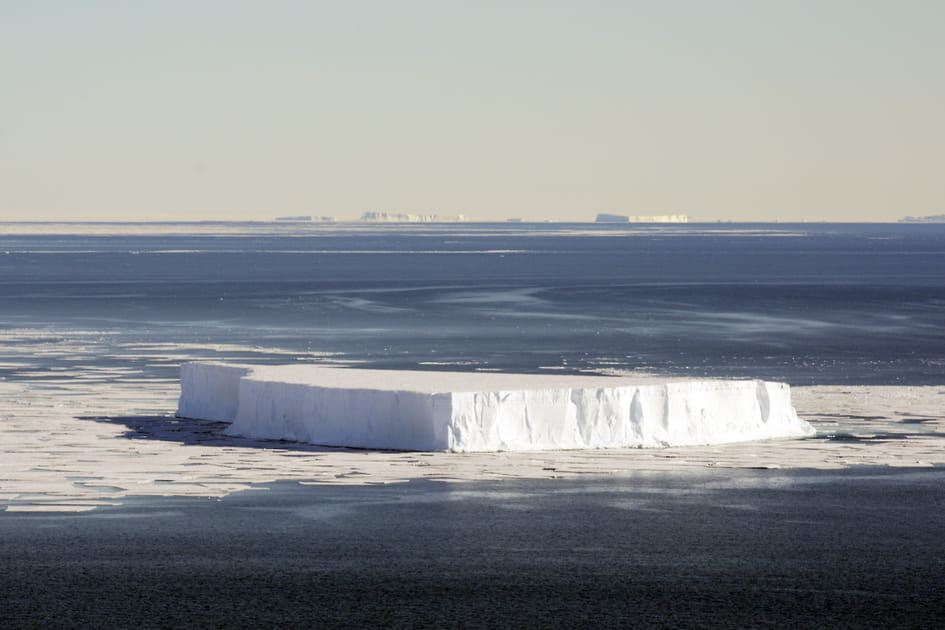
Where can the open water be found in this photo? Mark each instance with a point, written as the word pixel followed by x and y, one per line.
pixel 802 303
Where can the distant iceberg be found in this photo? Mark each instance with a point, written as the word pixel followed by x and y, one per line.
pixel 304 218
pixel 468 412
pixel 932 218
pixel 604 217
pixel 397 217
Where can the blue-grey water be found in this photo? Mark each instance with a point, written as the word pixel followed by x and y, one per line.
pixel 709 549
pixel 803 303
pixel 856 548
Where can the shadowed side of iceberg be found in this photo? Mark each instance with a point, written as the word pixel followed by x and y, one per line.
pixel 210 391
pixel 359 418
pixel 447 412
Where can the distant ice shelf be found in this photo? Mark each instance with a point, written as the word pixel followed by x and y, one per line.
pixel 469 412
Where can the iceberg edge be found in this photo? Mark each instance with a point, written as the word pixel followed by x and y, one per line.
pixel 482 412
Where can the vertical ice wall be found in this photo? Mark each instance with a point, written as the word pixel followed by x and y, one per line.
pixel 210 390
pixel 383 409
pixel 670 414
pixel 360 418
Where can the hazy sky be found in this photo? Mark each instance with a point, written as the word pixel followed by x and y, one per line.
pixel 743 110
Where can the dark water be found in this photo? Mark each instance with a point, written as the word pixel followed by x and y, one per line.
pixel 808 303
pixel 716 549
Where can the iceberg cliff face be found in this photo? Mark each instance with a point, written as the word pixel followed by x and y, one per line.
pixel 437 411
pixel 210 391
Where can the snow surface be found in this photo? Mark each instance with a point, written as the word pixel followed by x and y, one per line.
pixel 460 412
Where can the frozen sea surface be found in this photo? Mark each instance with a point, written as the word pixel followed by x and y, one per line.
pixel 96 320
pixel 805 304
pixel 118 515
pixel 93 439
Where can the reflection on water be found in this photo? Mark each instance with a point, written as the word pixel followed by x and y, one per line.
pixel 829 304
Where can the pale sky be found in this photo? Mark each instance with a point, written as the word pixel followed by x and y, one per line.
pixel 542 109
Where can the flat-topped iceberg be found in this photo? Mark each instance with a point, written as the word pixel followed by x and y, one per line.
pixel 461 412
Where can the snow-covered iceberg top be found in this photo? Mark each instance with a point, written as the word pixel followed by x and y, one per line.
pixel 453 411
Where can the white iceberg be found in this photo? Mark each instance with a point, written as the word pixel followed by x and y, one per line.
pixel 468 412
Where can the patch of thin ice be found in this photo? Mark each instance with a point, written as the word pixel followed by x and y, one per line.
pixel 119 438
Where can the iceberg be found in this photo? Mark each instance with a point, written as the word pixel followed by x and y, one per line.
pixel 479 411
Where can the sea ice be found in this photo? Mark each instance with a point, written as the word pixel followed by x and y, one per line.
pixel 460 412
